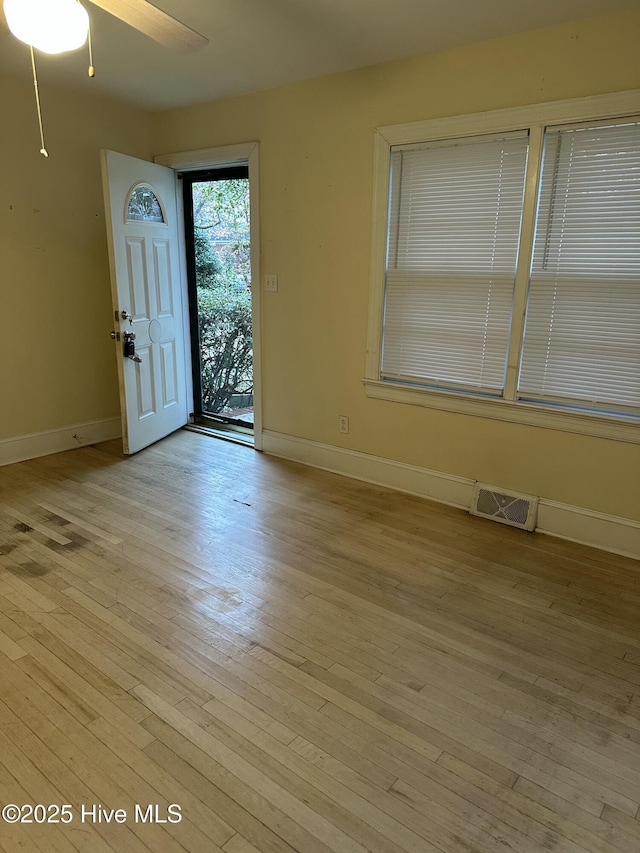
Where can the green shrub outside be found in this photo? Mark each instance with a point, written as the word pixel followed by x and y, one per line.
pixel 224 326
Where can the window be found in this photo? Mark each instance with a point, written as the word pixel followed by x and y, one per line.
pixel 582 332
pixel 144 205
pixel 510 256
pixel 454 223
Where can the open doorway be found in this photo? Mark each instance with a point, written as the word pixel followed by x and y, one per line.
pixel 218 254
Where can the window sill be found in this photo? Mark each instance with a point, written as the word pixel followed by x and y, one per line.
pixel 602 426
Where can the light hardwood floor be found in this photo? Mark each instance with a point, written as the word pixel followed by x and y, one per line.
pixel 303 662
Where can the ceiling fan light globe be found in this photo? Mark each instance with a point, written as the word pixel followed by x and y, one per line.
pixel 52 26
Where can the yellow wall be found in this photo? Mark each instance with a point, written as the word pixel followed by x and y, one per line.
pixel 58 364
pixel 316 179
pixel 57 361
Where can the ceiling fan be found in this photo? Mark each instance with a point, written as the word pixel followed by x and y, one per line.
pixel 58 26
pixel 46 24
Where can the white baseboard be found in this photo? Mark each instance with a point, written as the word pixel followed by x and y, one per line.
pixel 22 447
pixel 588 527
pixel 607 532
pixel 435 485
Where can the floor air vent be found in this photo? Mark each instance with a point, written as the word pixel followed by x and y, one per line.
pixel 506 507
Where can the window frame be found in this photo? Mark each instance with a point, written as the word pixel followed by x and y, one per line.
pixel 535 119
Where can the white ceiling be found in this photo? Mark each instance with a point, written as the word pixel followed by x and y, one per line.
pixel 258 44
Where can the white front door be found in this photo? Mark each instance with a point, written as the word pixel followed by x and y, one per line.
pixel 142 231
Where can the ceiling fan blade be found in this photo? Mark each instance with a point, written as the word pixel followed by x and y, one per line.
pixel 153 22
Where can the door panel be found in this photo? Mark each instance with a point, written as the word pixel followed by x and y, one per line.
pixel 161 255
pixel 145 278
pixel 138 279
pixel 169 374
pixel 145 384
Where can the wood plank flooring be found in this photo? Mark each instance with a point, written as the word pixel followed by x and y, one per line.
pixel 302 662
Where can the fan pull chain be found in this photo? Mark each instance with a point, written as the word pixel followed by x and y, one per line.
pixel 43 149
pixel 92 70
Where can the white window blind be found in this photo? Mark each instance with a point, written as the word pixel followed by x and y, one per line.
pixel 454 223
pixel 582 332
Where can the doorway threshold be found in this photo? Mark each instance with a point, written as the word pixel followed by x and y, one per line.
pixel 238 435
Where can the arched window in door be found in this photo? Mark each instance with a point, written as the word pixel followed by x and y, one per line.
pixel 144 205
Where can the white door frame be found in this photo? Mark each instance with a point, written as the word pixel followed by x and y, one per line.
pixel 213 158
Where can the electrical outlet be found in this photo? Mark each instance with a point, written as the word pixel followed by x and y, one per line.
pixel 343 423
pixel 271 283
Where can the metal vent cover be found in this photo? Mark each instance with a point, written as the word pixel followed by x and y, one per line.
pixel 506 507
